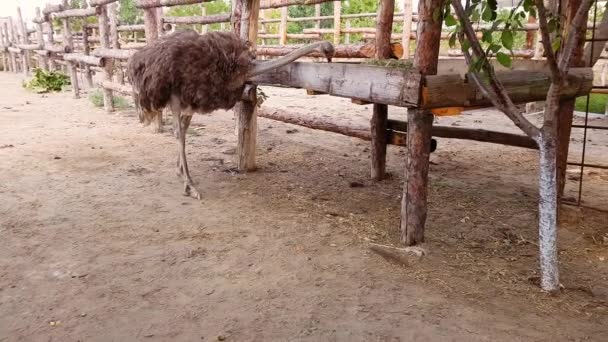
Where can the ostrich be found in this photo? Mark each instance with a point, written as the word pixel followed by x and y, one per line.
pixel 192 73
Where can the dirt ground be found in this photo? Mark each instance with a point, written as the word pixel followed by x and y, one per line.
pixel 97 242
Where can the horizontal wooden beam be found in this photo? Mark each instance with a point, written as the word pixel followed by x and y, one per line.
pixel 340 51
pixel 77 13
pixel 286 3
pixel 114 53
pixel 100 2
pixel 397 130
pixel 208 19
pixel 510 139
pixel 86 59
pixel 391 86
pixel 13 49
pixel 514 53
pixel 161 3
pixel 130 28
pixel 28 46
pixel 454 90
pixel 57 48
pixel 48 9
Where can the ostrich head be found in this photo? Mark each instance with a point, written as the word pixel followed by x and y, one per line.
pixel 325 48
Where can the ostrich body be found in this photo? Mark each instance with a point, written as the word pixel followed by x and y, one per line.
pixel 191 73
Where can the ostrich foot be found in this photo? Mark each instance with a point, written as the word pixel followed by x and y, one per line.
pixel 190 190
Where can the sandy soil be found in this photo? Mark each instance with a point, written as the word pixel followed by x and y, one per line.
pixel 97 242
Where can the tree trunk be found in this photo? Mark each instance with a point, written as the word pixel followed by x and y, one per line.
pixel 547 211
pixel 420 124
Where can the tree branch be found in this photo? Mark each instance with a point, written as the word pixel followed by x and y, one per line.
pixel 576 35
pixel 498 94
pixel 546 40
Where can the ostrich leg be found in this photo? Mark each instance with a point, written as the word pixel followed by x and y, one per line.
pixel 189 189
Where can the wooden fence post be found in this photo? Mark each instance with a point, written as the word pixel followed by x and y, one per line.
pixel 420 124
pixel 246 111
pixel 50 37
pixel 283 26
pixel 42 60
pixel 10 30
pixel 384 28
pixel 104 40
pixel 115 40
pixel 24 40
pixel 69 42
pixel 407 28
pixel 86 49
pixel 151 29
pixel 337 21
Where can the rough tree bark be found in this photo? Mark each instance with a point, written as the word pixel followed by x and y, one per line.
pixel 414 200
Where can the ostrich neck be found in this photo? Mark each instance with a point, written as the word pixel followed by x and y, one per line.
pixel 277 63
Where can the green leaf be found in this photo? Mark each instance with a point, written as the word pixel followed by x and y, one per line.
pixel 504 59
pixel 450 20
pixel 487 14
pixel 465 45
pixel 452 41
pixel 487 36
pixel 556 43
pixel 507 39
pixel 495 48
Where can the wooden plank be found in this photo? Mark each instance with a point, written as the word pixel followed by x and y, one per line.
pixel 120 88
pixel 407 27
pixel 130 28
pixel 283 27
pixel 101 2
pixel 394 86
pixel 340 51
pixel 522 86
pixel 337 21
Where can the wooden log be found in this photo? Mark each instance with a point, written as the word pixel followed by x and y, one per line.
pixel 68 41
pixel 49 9
pixel 509 139
pixel 130 28
pixel 341 51
pixel 101 2
pixel 42 53
pixel 523 86
pixel 208 19
pixel 28 46
pixel 337 21
pixel 315 122
pixel 82 58
pixel 145 4
pixel 57 48
pixel 104 35
pixel 397 36
pixel 76 13
pixel 414 199
pixel 287 3
pixel 133 46
pixel 152 29
pixel 384 27
pixel 246 111
pixel 392 86
pixel 117 87
pixel 14 50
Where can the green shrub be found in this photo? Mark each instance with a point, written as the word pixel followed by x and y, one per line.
pixel 47 81
pixel 96 98
pixel 597 103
